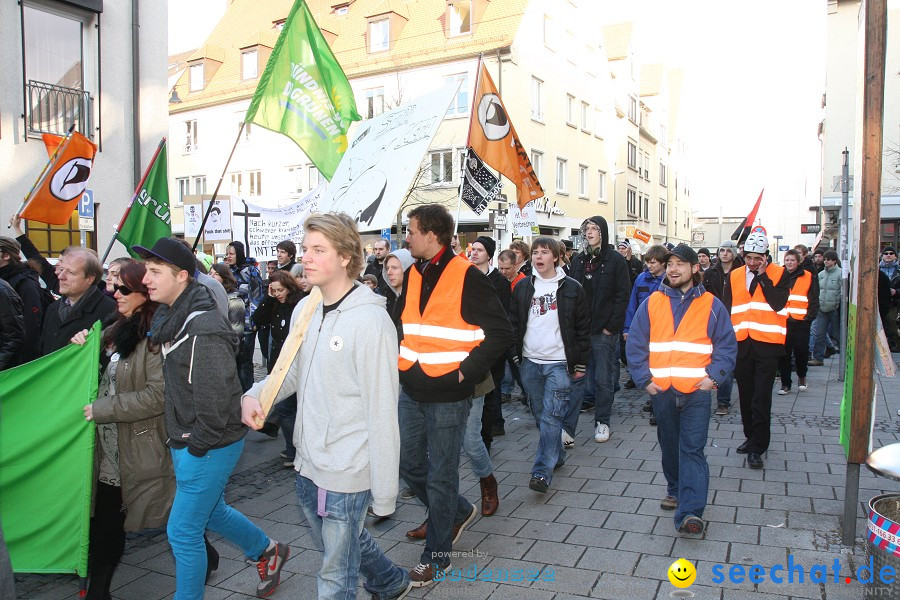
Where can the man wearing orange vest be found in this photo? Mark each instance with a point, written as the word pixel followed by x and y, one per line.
pixel 754 297
pixel 452 328
pixel 680 345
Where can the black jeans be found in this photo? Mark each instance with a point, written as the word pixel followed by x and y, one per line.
pixel 245 360
pixel 107 538
pixel 493 411
pixel 755 376
pixel 797 344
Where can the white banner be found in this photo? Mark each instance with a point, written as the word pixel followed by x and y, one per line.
pixel 381 163
pixel 268 226
pixel 218 225
pixel 524 221
pixel 193 216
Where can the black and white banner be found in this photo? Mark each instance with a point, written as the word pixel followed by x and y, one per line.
pixel 480 185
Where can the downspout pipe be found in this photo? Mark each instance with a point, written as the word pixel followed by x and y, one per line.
pixel 136 90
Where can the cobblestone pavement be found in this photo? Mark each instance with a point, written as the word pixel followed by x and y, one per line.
pixel 599 531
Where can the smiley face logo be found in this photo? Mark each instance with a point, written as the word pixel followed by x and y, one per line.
pixel 682 573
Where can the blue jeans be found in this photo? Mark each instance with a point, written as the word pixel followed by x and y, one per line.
pixel 576 394
pixel 548 389
pixel 825 323
pixel 473 444
pixel 604 351
pixel 723 395
pixel 682 428
pixel 199 505
pixel 347 547
pixel 431 435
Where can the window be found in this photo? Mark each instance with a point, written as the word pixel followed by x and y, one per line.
pixel 249 183
pixel 191 136
pixel 196 74
pixel 379 35
pixel 570 110
pixel 460 17
pixel 631 201
pixel 236 184
pixel 537 163
pixel 255 179
pixel 249 64
pixel 315 178
pixel 646 213
pixel 54 75
pixel 632 109
pixel 53 239
pixel 374 102
pixel 295 180
pixel 662 174
pixel 632 156
pixel 561 164
pixel 200 184
pixel 585 116
pixel 183 188
pixel 647 167
pixel 662 211
pixel 549 37
pixel 441 166
pixel 583 181
pixel 460 105
pixel 601 186
pixel 537 99
pixel 245 135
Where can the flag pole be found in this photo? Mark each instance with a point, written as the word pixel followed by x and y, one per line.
pixel 137 191
pixel 218 185
pixel 43 173
pixel 462 175
pixel 462 167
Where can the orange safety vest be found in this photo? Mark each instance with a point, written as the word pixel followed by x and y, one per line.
pixel 798 301
pixel 438 339
pixel 752 316
pixel 678 358
pixel 517 279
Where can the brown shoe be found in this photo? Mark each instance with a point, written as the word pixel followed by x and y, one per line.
pixel 489 500
pixel 419 532
pixel 423 574
pixel 461 526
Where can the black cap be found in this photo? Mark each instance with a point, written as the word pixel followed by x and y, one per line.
pixel 703 251
pixel 489 244
pixel 685 253
pixel 171 251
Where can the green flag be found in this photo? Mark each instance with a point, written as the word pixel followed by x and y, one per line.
pixel 47 458
pixel 149 218
pixel 304 94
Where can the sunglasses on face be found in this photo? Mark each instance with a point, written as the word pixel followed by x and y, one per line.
pixel 123 290
pixel 888 253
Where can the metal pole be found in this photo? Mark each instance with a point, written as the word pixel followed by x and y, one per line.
pixel 845 259
pixel 218 185
pixel 851 501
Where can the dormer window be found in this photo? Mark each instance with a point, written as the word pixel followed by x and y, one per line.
pixel 379 35
pixel 249 64
pixel 460 17
pixel 196 73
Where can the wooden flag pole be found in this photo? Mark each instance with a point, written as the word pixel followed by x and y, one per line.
pixel 291 346
pixel 40 177
pixel 218 185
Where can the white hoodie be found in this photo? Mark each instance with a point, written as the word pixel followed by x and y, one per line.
pixel 346 380
pixel 543 342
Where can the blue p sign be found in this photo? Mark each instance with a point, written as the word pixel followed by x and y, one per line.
pixel 86 205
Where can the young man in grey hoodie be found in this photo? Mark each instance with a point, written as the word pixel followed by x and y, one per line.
pixel 347 435
pixel 203 421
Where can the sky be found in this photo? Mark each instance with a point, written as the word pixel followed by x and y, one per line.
pixel 754 79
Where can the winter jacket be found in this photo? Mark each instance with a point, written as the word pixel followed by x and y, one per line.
pixel 93 306
pixel 892 271
pixel 501 284
pixel 25 282
pixel 218 291
pixel 250 288
pixel 479 306
pixel 203 394
pixel 145 464
pixel 830 289
pixel 12 327
pixel 719 330
pixel 345 377
pixel 377 269
pixel 635 267
pixel 390 294
pixel 644 285
pixel 48 271
pixel 572 311
pixel 236 310
pixel 715 279
pixel 277 316
pixel 607 283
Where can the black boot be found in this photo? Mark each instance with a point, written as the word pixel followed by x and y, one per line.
pixel 212 558
pixel 101 578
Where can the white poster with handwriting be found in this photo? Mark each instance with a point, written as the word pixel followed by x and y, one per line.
pixel 268 226
pixel 524 221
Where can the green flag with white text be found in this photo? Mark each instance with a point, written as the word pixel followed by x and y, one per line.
pixel 47 459
pixel 304 94
pixel 149 218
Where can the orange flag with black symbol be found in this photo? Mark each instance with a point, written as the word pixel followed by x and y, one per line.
pixel 494 139
pixel 64 181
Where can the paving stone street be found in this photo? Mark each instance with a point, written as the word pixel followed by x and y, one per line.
pixel 599 532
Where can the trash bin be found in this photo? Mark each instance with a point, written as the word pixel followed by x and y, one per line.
pixel 883 545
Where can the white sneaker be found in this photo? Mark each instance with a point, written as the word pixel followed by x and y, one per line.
pixel 567 440
pixel 601 434
pixel 802 388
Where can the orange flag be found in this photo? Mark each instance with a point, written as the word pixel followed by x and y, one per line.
pixel 494 139
pixel 64 182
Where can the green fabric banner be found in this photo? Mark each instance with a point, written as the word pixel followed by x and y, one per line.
pixel 47 459
pixel 150 217
pixel 304 94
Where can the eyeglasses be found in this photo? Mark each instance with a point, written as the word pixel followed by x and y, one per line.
pixel 888 253
pixel 123 290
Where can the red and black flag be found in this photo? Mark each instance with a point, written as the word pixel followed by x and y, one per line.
pixel 740 234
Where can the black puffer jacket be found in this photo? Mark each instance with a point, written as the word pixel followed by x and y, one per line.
pixel 12 328
pixel 574 319
pixel 25 282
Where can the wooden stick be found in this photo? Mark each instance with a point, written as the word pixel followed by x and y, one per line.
pixel 291 346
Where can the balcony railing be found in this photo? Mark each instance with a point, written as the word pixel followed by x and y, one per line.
pixel 53 109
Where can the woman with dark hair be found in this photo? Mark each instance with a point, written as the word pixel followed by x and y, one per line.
pixel 275 312
pixel 222 274
pixel 250 287
pixel 135 481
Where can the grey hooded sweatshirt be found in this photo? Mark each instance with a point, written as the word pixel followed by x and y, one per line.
pixel 346 380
